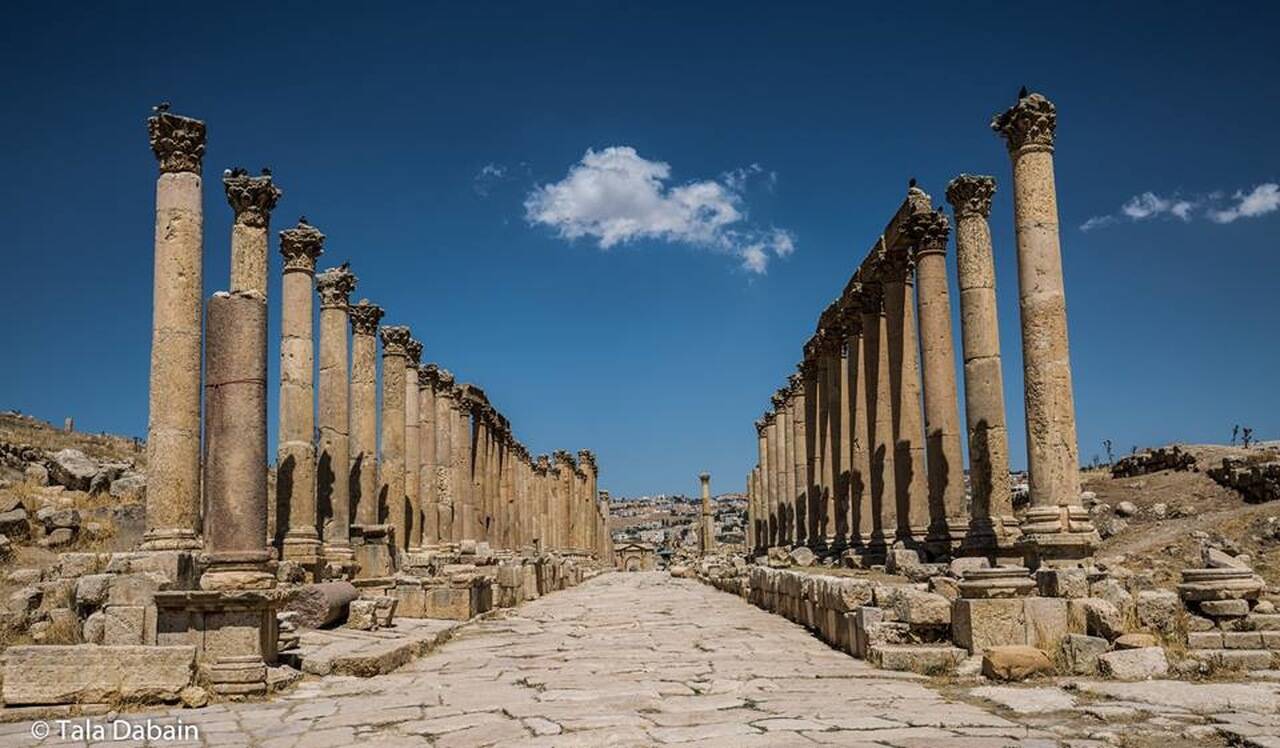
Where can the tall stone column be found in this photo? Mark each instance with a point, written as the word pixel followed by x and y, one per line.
pixel 364 411
pixel 412 519
pixel 1056 527
pixel 912 497
pixel 991 521
pixel 252 199
pixel 777 518
pixel 853 428
pixel 427 530
pixel 882 479
pixel 787 453
pixel 464 437
pixel 546 509
pixel 235 470
pixel 822 463
pixel 587 460
pixel 448 503
pixel 391 492
pixel 333 464
pixel 296 520
pixel 173 418
pixel 812 447
pixel 800 463
pixel 781 463
pixel 706 525
pixel 837 502
pixel 566 469
pixel 929 233
pixel 761 502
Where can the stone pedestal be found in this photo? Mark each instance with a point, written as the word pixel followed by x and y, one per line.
pixel 296 517
pixel 173 421
pixel 234 633
pixel 1056 528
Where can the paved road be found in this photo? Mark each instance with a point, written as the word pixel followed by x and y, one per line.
pixel 625 659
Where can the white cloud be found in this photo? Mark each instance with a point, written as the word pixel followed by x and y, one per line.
pixel 1263 199
pixel 616 196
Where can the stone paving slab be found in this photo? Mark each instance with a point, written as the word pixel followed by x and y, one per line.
pixel 369 653
pixel 643 659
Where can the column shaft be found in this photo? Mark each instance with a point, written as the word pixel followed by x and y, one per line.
pixel 333 462
pixel 364 411
pixel 391 482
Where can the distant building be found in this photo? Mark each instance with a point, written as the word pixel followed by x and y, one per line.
pixel 635 557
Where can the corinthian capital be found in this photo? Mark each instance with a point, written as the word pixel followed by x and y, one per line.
pixel 252 198
pixel 929 232
pixel 365 317
pixel 300 246
pixel 1030 123
pixel 395 339
pixel 414 350
pixel 177 141
pixel 446 380
pixel 335 286
pixel 970 195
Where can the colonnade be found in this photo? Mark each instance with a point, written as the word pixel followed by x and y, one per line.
pixel 411 454
pixel 861 449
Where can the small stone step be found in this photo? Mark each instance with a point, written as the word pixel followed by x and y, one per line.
pixel 916 658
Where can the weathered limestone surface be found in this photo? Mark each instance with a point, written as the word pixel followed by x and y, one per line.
pixel 88 673
pixel 333 464
pixel 412 513
pixel 173 426
pixel 296 519
pixel 364 411
pixel 391 492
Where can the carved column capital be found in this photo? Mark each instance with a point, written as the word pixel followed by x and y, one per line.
pixel 300 246
pixel 414 350
pixel 365 317
pixel 445 379
pixel 760 426
pixel 395 339
pixel 251 198
pixel 1029 124
pixel 335 286
pixel 970 194
pixel 427 378
pixel 177 141
pixel 929 232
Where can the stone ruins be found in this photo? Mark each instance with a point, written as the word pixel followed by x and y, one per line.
pixel 401 497
pixel 859 465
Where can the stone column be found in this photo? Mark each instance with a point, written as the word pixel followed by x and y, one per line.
pixel 787 480
pixel 364 411
pixel 391 483
pixel 412 520
pixel 771 478
pixel 546 519
pixel 821 443
pixel 450 525
pixel 427 529
pixel 875 363
pixel 333 465
pixel 252 199
pixel 912 497
pixel 706 525
pixel 991 521
pixel 838 502
pixel 296 522
pixel 587 460
pixel 235 469
pixel 853 404
pixel 761 499
pixel 814 504
pixel 781 463
pixel 464 436
pixel 929 233
pixel 1056 527
pixel 565 470
pixel 173 420
pixel 800 462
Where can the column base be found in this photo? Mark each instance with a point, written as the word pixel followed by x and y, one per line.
pixel 945 538
pixel 1057 536
pixel 238 571
pixel 304 549
pixel 171 539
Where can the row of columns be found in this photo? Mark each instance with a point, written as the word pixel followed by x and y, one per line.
pixel 429 459
pixel 862 447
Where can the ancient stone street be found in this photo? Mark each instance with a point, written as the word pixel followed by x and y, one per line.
pixel 645 659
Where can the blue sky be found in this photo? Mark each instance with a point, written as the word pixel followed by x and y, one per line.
pixel 434 143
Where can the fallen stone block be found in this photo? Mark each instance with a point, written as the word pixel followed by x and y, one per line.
pixel 318 605
pixel 1015 662
pixel 922 659
pixel 88 673
pixel 1135 641
pixel 1101 617
pixel 1158 610
pixel 1081 653
pixel 1134 664
pixel 977 624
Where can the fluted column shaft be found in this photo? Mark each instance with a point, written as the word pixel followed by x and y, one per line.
pixel 173 415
